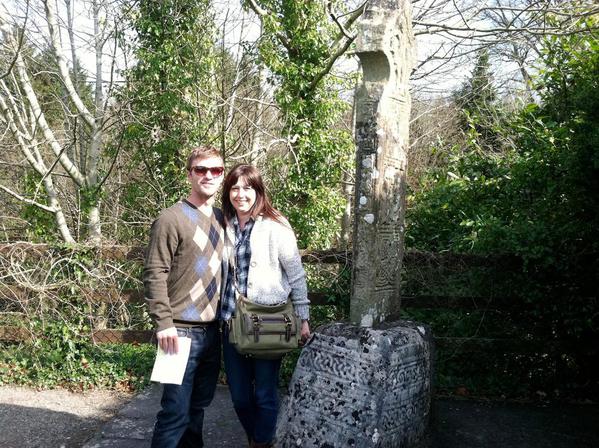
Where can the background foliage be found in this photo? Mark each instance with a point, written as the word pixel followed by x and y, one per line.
pixel 307 177
pixel 535 197
pixel 503 172
pixel 170 107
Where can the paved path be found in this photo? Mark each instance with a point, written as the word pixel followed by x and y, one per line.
pixel 132 427
pixel 456 424
pixel 54 418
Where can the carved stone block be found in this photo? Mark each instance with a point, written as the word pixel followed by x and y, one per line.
pixel 360 387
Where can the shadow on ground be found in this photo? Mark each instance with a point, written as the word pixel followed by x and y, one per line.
pixel 472 424
pixel 29 427
pixel 455 424
pixel 133 426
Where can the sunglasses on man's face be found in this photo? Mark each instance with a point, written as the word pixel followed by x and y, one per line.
pixel 203 170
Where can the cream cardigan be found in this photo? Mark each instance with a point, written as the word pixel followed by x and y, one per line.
pixel 275 271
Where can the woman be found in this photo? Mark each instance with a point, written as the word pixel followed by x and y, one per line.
pixel 268 271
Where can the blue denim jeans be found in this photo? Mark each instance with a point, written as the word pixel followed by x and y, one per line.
pixel 179 422
pixel 253 384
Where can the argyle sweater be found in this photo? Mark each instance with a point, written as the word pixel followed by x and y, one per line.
pixel 183 267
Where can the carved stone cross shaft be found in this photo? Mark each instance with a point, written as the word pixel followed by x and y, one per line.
pixel 385 46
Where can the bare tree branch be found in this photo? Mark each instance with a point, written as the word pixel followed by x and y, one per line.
pixel 26 200
pixel 19 45
pixel 64 70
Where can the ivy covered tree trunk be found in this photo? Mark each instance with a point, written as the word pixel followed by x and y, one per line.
pixel 170 89
pixel 299 45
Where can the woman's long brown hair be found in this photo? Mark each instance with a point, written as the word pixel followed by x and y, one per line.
pixel 252 176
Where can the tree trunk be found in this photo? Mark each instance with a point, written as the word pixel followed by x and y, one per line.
pixel 61 222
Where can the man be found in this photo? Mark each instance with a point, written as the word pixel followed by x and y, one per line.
pixel 183 282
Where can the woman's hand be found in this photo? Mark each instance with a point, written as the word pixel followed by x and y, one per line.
pixel 305 332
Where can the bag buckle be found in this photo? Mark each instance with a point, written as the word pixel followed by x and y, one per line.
pixel 287 327
pixel 256 325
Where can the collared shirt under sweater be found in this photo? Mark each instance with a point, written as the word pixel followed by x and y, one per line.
pixel 238 273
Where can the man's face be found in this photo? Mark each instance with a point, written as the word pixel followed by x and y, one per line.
pixel 206 175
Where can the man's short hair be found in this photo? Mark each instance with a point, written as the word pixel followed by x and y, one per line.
pixel 202 152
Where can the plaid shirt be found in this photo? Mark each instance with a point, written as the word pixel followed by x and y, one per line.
pixel 243 254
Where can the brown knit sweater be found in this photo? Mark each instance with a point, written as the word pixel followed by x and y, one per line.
pixel 183 268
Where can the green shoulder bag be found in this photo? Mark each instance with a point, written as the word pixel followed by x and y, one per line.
pixel 262 331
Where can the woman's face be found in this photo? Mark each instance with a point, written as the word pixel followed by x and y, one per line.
pixel 242 196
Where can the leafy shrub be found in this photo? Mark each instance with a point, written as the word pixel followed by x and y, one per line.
pixel 64 356
pixel 535 200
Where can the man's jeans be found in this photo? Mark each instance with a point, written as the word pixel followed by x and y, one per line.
pixel 179 423
pixel 253 384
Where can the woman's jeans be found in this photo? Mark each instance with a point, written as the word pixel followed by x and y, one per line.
pixel 253 384
pixel 179 423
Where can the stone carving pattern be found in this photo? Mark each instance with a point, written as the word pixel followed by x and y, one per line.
pixel 388 248
pixel 366 138
pixel 354 390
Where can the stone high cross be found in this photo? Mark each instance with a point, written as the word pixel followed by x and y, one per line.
pixel 368 383
pixel 385 46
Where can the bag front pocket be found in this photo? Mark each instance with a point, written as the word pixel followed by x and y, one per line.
pixel 269 325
